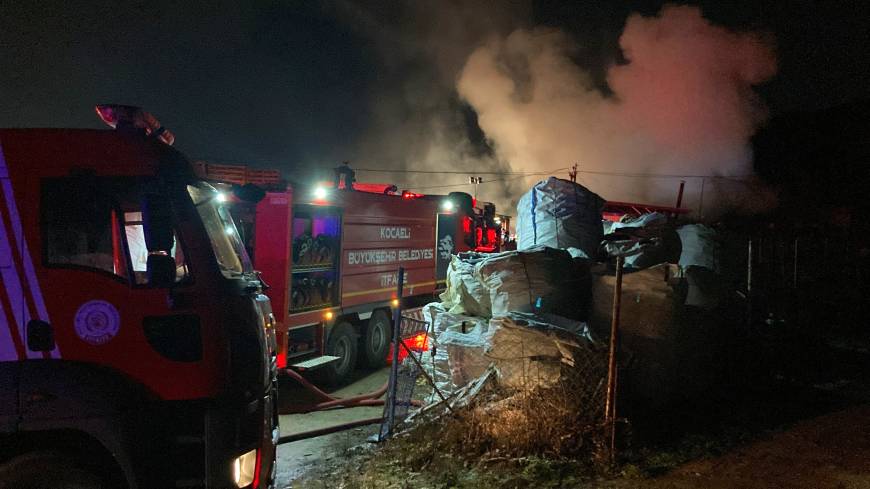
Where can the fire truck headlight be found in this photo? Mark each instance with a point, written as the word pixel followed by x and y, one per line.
pixel 244 468
pixel 319 193
pixel 221 197
pixel 447 205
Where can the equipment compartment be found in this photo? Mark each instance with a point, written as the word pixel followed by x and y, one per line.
pixel 316 242
pixel 302 341
pixel 312 290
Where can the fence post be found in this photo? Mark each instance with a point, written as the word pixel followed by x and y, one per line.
pixel 610 404
pixel 394 367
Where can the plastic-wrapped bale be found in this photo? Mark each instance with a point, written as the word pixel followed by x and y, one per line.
pixel 455 353
pixel 547 321
pixel 560 214
pixel 465 294
pixel 461 343
pixel 528 352
pixel 646 240
pixel 650 219
pixel 648 330
pixel 648 303
pixel 537 279
pixel 700 247
pixel 699 260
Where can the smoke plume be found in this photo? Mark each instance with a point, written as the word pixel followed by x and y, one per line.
pixel 680 103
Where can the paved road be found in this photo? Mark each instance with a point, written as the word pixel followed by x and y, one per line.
pixel 295 459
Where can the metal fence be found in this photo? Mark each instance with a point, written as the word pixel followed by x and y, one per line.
pixel 409 341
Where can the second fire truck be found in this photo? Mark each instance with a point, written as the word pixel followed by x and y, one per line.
pixel 330 254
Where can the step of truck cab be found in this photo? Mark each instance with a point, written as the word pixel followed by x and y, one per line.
pixel 315 362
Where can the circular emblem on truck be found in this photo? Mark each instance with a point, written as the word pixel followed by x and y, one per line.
pixel 97 322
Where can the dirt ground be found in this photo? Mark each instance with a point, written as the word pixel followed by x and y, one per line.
pixel 804 428
pixel 296 459
pixel 830 451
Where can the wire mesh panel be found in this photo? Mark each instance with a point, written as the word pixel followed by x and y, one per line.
pixel 410 343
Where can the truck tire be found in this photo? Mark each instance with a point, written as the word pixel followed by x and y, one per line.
pixel 40 470
pixel 343 344
pixel 376 341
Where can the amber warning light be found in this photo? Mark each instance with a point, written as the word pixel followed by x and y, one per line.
pixel 128 117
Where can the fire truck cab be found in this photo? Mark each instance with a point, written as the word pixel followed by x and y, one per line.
pixel 136 347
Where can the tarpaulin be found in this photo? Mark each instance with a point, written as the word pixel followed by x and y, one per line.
pixel 699 247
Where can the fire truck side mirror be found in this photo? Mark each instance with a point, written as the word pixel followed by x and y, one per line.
pixel 157 223
pixel 157 227
pixel 161 270
pixel 249 192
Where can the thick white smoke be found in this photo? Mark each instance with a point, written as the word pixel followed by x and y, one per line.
pixel 682 104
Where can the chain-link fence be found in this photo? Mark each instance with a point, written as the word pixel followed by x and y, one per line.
pixel 551 393
pixel 545 391
pixel 526 360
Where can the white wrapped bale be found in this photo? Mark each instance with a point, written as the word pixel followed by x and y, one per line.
pixel 456 347
pixel 465 294
pixel 560 214
pixel 537 279
pixel 464 343
pixel 523 357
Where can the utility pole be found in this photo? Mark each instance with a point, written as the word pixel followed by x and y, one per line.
pixel 476 181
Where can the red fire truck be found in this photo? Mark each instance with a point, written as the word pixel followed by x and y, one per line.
pixel 331 253
pixel 136 348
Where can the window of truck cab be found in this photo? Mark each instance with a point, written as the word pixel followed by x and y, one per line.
pixel 229 250
pixel 94 224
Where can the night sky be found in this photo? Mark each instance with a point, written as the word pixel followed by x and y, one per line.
pixel 298 85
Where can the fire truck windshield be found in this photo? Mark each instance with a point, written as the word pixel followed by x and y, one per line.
pixel 228 248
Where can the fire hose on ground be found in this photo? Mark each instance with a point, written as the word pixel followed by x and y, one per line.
pixel 327 401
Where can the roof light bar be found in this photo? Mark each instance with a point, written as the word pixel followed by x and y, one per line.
pixel 128 116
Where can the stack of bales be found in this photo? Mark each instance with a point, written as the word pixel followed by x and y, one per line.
pixel 562 277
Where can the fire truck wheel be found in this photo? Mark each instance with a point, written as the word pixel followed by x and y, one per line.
pixel 342 343
pixel 376 343
pixel 38 470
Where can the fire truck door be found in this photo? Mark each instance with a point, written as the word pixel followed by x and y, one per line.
pixel 103 309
